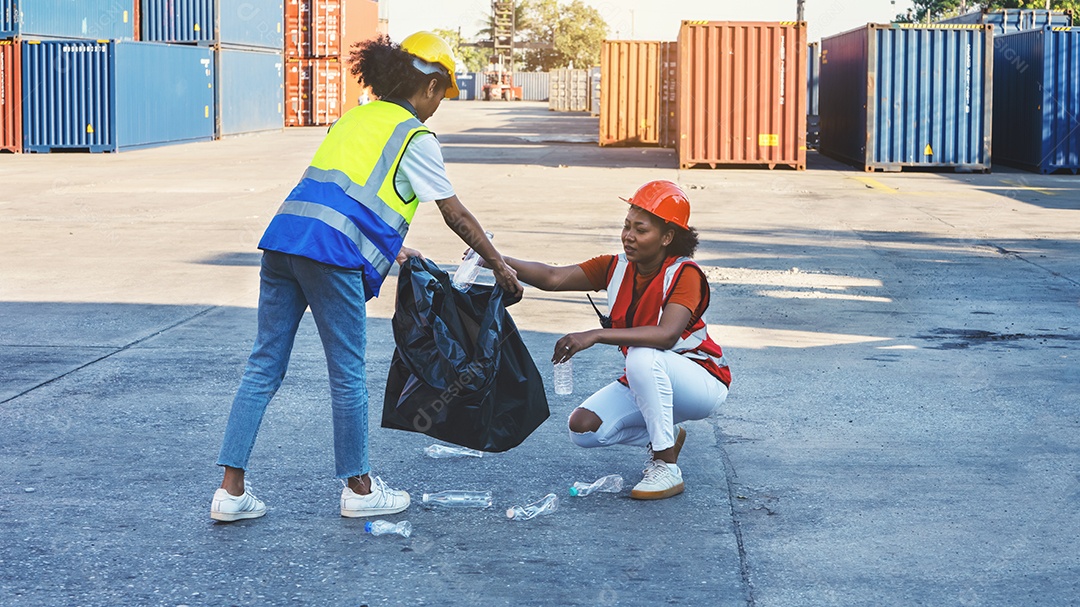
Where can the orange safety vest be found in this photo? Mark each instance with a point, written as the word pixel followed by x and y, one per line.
pixel 645 310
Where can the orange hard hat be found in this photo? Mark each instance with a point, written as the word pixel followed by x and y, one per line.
pixel 664 199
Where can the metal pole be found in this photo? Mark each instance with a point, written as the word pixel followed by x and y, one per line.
pixel 799 11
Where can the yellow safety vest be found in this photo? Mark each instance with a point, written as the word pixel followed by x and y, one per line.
pixel 346 210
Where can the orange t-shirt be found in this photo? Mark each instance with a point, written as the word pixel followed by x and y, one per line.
pixel 686 292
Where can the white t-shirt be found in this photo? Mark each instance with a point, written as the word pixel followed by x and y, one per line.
pixel 421 172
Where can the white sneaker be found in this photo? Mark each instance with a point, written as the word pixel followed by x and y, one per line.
pixel 381 500
pixel 661 480
pixel 228 507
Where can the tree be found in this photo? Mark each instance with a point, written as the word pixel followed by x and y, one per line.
pixel 470 58
pixel 574 29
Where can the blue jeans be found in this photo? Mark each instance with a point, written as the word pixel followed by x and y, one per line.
pixel 289 284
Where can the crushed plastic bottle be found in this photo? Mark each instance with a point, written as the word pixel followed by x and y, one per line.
pixel 469 269
pixel 457 499
pixel 611 483
pixel 548 504
pixel 442 451
pixel 380 527
pixel 564 377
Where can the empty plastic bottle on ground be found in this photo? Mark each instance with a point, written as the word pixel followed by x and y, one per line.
pixel 457 499
pixel 404 528
pixel 611 483
pixel 469 269
pixel 547 505
pixel 564 377
pixel 441 451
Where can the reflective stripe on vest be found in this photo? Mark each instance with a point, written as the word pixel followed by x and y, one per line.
pixel 346 210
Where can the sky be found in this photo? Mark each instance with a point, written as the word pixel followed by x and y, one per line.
pixel 651 19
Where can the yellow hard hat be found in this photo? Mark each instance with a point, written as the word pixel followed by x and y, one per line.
pixel 432 49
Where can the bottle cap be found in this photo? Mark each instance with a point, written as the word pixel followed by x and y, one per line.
pixel 367 527
pixel 573 491
pixel 509 513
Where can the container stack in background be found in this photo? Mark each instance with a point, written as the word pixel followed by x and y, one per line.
pixel 318 85
pixel 568 90
pixel 314 62
pixel 244 40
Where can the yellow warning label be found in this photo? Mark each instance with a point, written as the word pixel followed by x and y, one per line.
pixel 770 140
pixel 125 16
pixel 197 28
pixel 206 111
pixel 929 151
pixel 279 28
pixel 89 128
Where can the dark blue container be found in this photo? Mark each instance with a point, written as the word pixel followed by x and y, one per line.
pixel 1037 99
pixel 90 19
pixel 235 23
pixel 896 96
pixel 110 96
pixel 1012 20
pixel 251 92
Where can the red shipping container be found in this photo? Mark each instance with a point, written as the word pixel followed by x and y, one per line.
pixel 10 96
pixel 742 94
pixel 313 28
pixel 314 92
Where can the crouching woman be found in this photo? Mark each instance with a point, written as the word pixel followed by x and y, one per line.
pixel 657 297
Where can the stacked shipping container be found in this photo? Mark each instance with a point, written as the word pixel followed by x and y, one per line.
pixel 742 94
pixel 319 87
pixel 1037 99
pixel 895 96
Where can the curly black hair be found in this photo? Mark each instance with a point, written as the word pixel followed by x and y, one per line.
pixel 388 70
pixel 684 243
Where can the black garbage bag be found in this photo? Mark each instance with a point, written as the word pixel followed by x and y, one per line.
pixel 461 372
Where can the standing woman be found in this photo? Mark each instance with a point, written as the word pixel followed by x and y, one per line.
pixel 331 245
pixel 657 297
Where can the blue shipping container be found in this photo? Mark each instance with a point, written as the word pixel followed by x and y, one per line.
pixel 894 96
pixel 1012 20
pixel 236 23
pixel 251 92
pixel 177 20
pixel 90 19
pixel 254 23
pixel 111 96
pixel 1037 99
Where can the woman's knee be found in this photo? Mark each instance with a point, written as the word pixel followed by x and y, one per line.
pixel 641 361
pixel 583 420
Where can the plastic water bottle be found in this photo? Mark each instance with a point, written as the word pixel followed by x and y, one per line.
pixel 404 528
pixel 548 504
pixel 441 451
pixel 611 483
pixel 457 499
pixel 564 377
pixel 469 269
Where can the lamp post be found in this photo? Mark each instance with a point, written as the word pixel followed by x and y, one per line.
pixel 800 5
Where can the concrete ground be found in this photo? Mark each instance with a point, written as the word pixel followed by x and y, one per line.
pixel 903 427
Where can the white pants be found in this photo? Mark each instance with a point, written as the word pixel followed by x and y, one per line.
pixel 665 389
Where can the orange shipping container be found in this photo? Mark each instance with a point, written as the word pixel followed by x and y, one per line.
pixel 313 28
pixel 742 94
pixel 10 96
pixel 314 92
pixel 630 86
pixel 361 22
